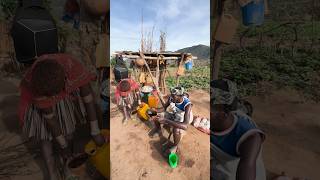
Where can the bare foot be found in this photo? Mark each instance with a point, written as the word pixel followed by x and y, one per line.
pixel 155 132
pixel 125 121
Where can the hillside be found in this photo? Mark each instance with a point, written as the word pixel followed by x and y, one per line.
pixel 201 51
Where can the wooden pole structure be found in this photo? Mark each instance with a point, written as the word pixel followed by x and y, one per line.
pixel 180 64
pixel 157 71
pixel 154 58
pixel 215 67
pixel 216 49
pixel 154 81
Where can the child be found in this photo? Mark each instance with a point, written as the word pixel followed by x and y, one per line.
pixel 126 93
pixel 49 105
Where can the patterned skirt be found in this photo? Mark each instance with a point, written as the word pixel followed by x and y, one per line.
pixel 68 113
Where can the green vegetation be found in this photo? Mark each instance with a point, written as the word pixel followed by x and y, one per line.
pixel 272 29
pixel 256 65
pixel 197 78
pixel 8 7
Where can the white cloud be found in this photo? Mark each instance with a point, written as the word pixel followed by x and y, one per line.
pixel 186 22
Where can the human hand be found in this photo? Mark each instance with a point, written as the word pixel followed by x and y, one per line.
pixel 66 153
pixel 162 120
pixel 154 118
pixel 99 139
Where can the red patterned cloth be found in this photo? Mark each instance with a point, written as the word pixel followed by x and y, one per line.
pixel 71 6
pixel 133 86
pixel 77 75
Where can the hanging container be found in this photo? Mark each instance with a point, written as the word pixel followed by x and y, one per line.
pixel 253 13
pixel 226 29
pixel 188 65
pixel 139 62
pixel 180 71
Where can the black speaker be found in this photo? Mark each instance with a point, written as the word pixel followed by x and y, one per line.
pixel 34 32
pixel 121 73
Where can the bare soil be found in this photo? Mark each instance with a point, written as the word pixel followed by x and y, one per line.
pixel 136 156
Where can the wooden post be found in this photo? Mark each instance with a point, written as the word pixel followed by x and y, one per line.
pixel 180 63
pixel 215 67
pixel 216 45
pixel 157 72
pixel 154 81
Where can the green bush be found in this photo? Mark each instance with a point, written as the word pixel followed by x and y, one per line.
pixel 256 65
pixel 197 78
pixel 8 7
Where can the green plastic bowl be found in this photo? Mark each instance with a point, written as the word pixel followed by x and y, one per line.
pixel 173 160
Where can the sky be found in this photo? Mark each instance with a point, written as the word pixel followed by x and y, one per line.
pixel 186 23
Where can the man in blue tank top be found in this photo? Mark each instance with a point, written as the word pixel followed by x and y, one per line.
pixel 235 140
pixel 178 115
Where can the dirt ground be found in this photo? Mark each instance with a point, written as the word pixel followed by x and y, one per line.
pixel 10 134
pixel 136 156
pixel 9 125
pixel 292 126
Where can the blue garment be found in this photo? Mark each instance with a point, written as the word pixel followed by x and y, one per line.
pixel 229 140
pixel 105 105
pixel 182 105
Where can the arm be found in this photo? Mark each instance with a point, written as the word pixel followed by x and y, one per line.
pixel 249 151
pixel 87 95
pixel 138 97
pixel 184 124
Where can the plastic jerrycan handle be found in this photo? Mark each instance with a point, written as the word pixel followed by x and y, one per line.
pixel 229 16
pixel 91 148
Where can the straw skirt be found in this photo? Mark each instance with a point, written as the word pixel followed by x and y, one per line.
pixel 67 113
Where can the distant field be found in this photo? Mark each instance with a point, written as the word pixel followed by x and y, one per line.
pixel 197 78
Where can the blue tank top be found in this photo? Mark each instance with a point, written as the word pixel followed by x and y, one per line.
pixel 183 104
pixel 229 140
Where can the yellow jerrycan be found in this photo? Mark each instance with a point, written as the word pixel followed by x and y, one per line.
pixel 142 111
pixel 100 156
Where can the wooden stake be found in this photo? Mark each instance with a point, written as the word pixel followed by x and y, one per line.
pixel 215 67
pixel 154 81
pixel 157 72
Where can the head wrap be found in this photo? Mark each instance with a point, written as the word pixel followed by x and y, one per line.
pixel 177 91
pixel 220 96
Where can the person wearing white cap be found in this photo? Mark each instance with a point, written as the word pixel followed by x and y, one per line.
pixel 235 140
pixel 178 115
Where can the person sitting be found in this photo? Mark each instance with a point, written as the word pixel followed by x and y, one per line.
pixel 235 140
pixel 178 115
pixel 51 91
pixel 149 95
